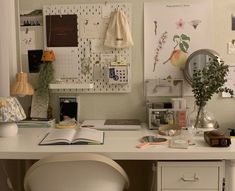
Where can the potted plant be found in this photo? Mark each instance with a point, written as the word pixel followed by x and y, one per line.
pixel 207 82
pixel 46 76
pixel 46 73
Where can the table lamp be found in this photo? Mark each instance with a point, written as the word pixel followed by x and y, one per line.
pixel 10 112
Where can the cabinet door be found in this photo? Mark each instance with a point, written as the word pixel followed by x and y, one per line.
pixel 186 176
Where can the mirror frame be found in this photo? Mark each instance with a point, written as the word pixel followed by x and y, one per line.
pixel 207 52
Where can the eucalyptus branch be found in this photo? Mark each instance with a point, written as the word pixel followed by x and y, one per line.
pixel 207 82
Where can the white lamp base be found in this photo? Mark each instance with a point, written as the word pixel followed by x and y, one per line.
pixel 8 129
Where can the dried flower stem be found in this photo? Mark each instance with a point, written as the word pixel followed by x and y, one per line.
pixel 161 41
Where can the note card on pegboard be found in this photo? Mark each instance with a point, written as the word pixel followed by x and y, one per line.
pixel 78 62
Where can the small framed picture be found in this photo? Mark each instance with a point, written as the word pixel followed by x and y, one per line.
pixel 61 30
pixel 34 58
pixel 39 107
pixel 69 107
pixel 31 18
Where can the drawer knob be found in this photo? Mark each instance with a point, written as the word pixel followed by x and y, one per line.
pixel 190 179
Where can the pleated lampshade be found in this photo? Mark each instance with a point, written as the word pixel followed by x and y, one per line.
pixel 10 112
pixel 22 87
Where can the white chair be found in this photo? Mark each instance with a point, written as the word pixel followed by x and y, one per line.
pixel 76 172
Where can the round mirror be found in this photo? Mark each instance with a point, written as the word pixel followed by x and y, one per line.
pixel 197 61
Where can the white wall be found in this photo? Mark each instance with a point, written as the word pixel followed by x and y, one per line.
pixel 132 105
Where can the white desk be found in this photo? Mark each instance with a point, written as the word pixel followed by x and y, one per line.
pixel 119 145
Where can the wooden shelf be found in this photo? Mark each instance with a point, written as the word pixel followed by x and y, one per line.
pixel 71 86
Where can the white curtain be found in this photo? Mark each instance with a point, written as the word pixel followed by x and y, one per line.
pixel 10 170
pixel 8 63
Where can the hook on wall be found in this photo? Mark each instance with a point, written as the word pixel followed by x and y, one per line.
pixel 26 30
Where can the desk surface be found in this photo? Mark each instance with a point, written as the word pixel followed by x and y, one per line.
pixel 119 145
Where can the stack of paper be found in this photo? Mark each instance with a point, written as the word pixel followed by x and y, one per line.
pixel 36 123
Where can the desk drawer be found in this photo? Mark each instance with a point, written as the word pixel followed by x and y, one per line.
pixel 189 175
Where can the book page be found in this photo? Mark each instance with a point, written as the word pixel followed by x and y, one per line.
pixel 59 136
pixel 89 135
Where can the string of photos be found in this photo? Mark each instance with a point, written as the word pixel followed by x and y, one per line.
pixel 92 44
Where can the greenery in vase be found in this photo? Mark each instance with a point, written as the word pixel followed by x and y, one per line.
pixel 46 75
pixel 209 81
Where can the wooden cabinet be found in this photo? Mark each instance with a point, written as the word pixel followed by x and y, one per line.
pixel 190 175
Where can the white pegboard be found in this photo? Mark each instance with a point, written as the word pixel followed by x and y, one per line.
pixel 68 64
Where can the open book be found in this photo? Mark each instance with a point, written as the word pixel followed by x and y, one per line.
pixel 73 136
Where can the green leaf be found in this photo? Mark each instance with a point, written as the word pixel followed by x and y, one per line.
pixel 186 45
pixel 185 37
pixel 181 45
pixel 176 37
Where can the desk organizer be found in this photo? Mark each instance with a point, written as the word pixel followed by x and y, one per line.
pixel 166 117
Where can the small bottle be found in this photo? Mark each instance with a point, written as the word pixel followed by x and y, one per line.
pixel 156 119
pixel 187 133
pixel 170 117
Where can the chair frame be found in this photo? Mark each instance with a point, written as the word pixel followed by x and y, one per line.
pixel 74 157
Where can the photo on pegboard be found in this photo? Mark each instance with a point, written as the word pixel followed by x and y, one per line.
pixel 31 18
pixel 61 30
pixel 34 58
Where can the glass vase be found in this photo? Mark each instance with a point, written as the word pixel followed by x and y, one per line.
pixel 202 120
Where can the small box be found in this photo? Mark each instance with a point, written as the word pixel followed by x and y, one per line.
pixel 216 138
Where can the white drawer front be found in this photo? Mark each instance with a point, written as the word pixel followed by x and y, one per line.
pixel 200 177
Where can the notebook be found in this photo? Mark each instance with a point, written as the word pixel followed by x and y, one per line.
pixel 73 136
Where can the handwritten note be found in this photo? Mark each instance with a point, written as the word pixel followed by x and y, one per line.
pixel 27 41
